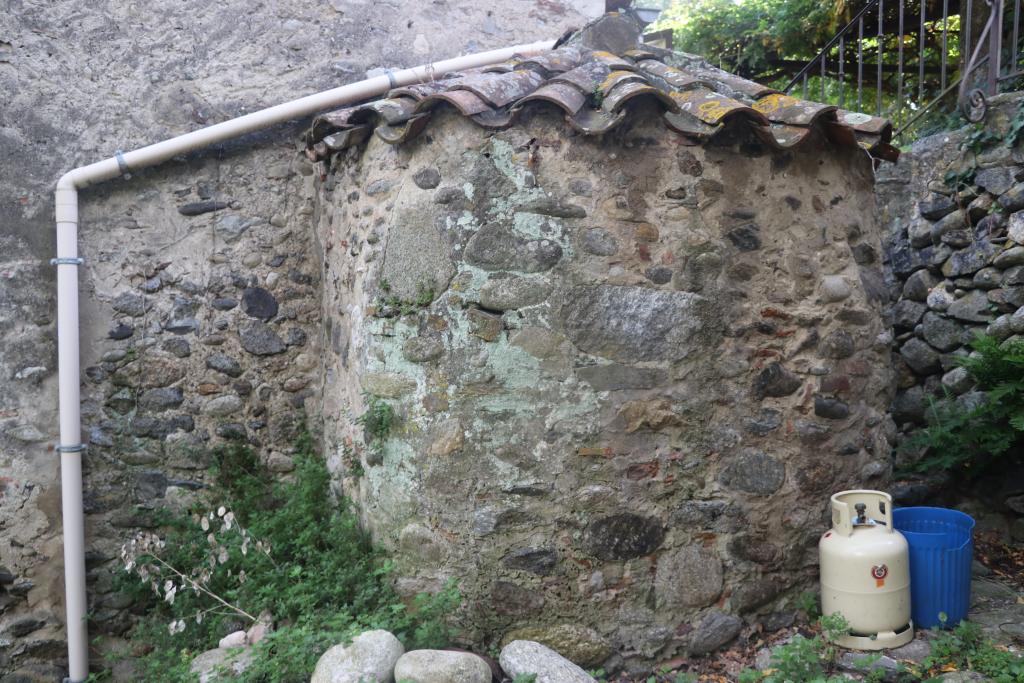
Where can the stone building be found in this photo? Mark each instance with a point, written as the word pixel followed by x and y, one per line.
pixel 627 310
pixel 163 289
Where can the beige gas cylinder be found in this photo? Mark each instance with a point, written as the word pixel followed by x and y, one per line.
pixel 865 571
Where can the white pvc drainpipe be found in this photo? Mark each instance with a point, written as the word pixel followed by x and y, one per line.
pixel 66 206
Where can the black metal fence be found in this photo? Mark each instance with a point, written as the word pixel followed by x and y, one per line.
pixel 905 58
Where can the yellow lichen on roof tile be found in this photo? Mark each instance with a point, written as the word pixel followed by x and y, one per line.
pixel 596 89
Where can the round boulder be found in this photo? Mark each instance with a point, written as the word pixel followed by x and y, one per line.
pixel 371 656
pixel 441 666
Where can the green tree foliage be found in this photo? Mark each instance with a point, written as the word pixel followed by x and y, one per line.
pixel 751 37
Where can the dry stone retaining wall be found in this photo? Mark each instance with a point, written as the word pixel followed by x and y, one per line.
pixel 955 260
pixel 627 373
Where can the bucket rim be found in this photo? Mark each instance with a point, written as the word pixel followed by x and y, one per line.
pixel 963 522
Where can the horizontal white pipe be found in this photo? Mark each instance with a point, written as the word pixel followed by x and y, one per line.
pixel 66 209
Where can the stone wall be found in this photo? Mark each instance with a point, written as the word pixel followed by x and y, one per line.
pixel 627 373
pixel 956 267
pixel 200 321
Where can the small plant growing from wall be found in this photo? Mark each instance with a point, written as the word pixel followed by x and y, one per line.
pixel 390 305
pixel 377 422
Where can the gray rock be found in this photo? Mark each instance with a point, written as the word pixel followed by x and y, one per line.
pixel 937 207
pixel 258 339
pixel 996 180
pixel 764 422
pixel 859 662
pixel 1015 227
pixel 921 358
pixel 581 187
pixel 225 364
pixel 688 577
pixel 182 325
pixel 1001 328
pixel 775 381
pixel 972 307
pixel 914 651
pixel 540 561
pixel 659 275
pixel 754 472
pixel 745 237
pixel 369 658
pixel 623 537
pixel 1013 199
pixel 231 228
pixel 199 208
pixel 907 313
pixel 630 324
pixel 496 248
pixel 525 657
pixel 416 259
pixel 920 233
pixel 838 344
pixel 810 431
pixel 161 398
pixel 617 377
pixel 509 292
pixel 422 349
pixel 549 206
pixel 957 239
pixel 259 303
pixel 379 187
pixel 918 285
pixel 970 260
pixel 130 304
pixel 954 221
pixel 1011 277
pixel 208 665
pixel 427 178
pixel 834 288
pixel 121 331
pixel 831 408
pixel 441 666
pixel 958 381
pixel 940 298
pixel 599 242
pixel 177 347
pixel 710 515
pixel 864 254
pixel 716 630
pixel 989 278
pixel 1014 256
pixel 942 333
pixel 223 405
pixel 387 384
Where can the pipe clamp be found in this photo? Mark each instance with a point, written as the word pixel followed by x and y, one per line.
pixel 122 164
pixel 67 261
pixel 76 448
pixel 391 78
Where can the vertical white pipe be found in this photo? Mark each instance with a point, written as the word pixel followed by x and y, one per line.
pixel 66 204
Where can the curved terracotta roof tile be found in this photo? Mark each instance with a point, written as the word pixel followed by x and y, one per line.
pixel 595 89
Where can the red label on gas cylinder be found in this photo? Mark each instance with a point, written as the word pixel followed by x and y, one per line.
pixel 880 571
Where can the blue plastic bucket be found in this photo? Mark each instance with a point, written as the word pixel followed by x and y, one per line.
pixel 941 551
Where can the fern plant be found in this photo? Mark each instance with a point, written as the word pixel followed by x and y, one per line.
pixel 969 441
